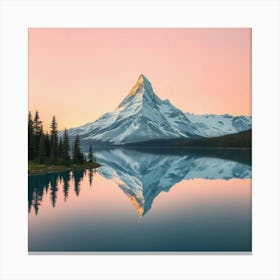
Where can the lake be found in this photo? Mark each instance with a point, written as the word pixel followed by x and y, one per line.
pixel 145 200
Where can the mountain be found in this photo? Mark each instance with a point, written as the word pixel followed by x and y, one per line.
pixel 210 125
pixel 142 176
pixel 143 116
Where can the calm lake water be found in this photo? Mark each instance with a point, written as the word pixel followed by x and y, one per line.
pixel 144 201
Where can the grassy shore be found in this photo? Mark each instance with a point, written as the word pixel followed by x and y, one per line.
pixel 36 168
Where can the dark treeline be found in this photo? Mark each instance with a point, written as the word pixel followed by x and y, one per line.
pixel 49 183
pixel 48 148
pixel 241 139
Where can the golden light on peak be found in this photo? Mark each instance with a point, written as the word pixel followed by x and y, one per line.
pixel 138 84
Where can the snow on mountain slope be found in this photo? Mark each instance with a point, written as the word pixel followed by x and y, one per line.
pixel 143 116
pixel 210 125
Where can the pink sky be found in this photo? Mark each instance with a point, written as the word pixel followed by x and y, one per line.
pixel 80 74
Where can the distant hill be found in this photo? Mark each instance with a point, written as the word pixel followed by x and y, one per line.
pixel 237 140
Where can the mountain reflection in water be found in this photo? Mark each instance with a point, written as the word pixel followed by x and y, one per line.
pixel 141 175
pixel 184 201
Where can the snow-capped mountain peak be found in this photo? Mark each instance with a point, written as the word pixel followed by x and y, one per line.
pixel 141 84
pixel 143 116
pixel 141 92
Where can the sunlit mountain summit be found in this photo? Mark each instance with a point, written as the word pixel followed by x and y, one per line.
pixel 142 176
pixel 142 116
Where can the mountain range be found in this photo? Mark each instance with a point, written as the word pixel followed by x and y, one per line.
pixel 142 116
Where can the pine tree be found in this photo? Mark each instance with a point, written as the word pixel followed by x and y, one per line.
pixel 31 139
pixel 54 141
pixel 37 124
pixel 37 128
pixel 78 156
pixel 60 148
pixel 66 149
pixel 47 146
pixel 90 154
pixel 42 149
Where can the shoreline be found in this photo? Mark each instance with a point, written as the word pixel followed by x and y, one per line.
pixel 40 169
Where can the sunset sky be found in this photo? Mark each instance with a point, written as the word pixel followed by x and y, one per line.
pixel 80 74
